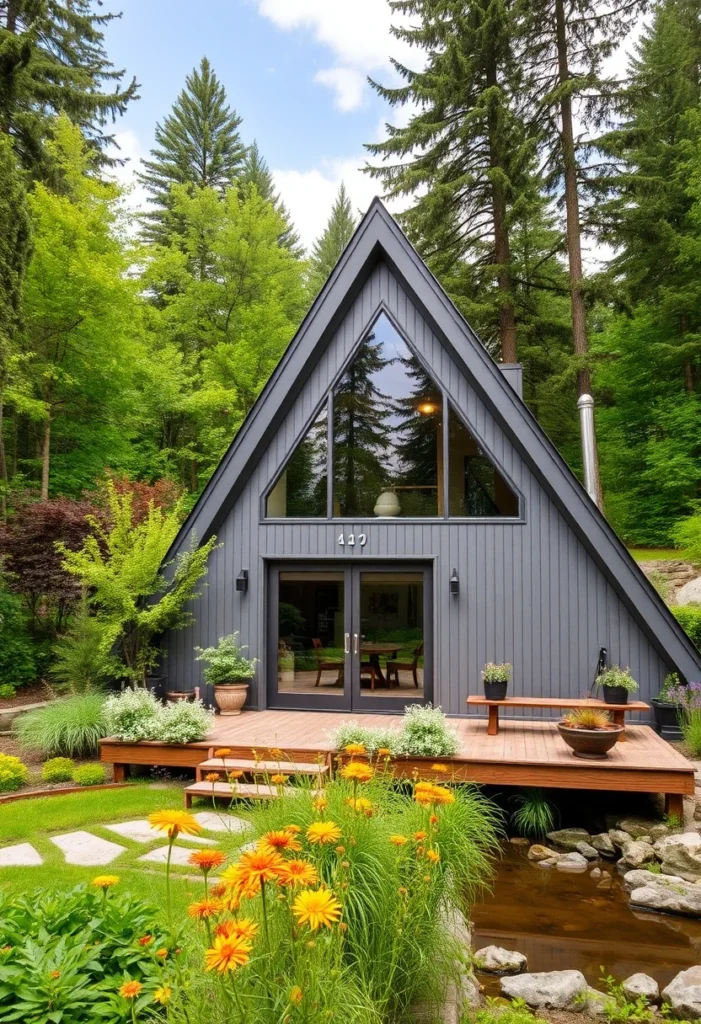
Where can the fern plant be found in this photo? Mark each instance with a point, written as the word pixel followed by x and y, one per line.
pixel 534 816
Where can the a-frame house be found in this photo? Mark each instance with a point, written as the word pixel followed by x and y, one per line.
pixel 391 517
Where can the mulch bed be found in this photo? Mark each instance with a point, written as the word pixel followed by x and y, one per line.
pixel 30 694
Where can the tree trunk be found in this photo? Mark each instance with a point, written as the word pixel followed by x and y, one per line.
pixel 502 249
pixel 574 243
pixel 45 460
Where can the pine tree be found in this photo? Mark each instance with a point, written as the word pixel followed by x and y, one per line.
pixel 328 247
pixel 198 144
pixel 52 60
pixel 467 144
pixel 255 172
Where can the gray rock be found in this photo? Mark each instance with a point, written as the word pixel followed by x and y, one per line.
pixel 568 838
pixel 554 990
pixel 683 994
pixel 497 960
pixel 644 839
pixel 456 925
pixel 619 838
pixel 595 1002
pixel 642 985
pixel 457 997
pixel 603 844
pixel 690 840
pixel 605 883
pixel 539 852
pixel 587 851
pixel 637 853
pixel 659 832
pixel 549 863
pixel 681 899
pixel 636 879
pixel 690 593
pixel 636 827
pixel 595 873
pixel 572 862
pixel 680 860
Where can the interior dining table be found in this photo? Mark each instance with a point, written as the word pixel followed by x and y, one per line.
pixel 375 651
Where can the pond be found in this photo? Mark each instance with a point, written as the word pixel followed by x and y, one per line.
pixel 562 921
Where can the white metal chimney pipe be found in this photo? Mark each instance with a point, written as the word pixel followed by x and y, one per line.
pixel 585 405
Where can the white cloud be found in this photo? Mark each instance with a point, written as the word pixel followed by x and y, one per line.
pixel 347 83
pixel 129 148
pixel 357 32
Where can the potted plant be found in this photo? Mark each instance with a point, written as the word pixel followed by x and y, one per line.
pixel 590 733
pixel 496 680
pixel 285 664
pixel 667 705
pixel 616 683
pixel 229 672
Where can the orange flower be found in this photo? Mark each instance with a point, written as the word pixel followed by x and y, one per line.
pixel 320 803
pixel 384 752
pixel 146 940
pixel 442 768
pixel 234 774
pixel 316 908
pixel 222 751
pixel 442 795
pixel 218 890
pixel 163 953
pixel 355 749
pixel 207 859
pixel 419 836
pixel 402 891
pixel 174 822
pixel 227 953
pixel 298 872
pixel 276 754
pixel 279 841
pixel 296 995
pixel 258 867
pixel 240 928
pixel 398 840
pixel 357 771
pixel 433 819
pixel 130 989
pixel 294 830
pixel 321 832
pixel 212 777
pixel 279 779
pixel 433 855
pixel 54 974
pixel 204 909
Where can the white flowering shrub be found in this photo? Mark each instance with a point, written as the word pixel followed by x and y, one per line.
pixel 132 715
pixel 425 732
pixel 372 739
pixel 183 722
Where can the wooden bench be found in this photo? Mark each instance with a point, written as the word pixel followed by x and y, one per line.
pixel 617 710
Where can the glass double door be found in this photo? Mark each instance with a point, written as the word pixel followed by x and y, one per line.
pixel 349 637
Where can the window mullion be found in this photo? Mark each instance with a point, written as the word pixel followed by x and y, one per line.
pixel 329 456
pixel 446 456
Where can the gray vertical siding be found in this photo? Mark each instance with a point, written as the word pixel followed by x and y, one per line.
pixel 530 593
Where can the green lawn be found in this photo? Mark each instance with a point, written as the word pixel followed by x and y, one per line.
pixel 655 554
pixel 36 820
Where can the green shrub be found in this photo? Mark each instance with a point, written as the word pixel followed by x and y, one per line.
pixel 183 722
pixel 689 618
pixel 58 769
pixel 89 775
pixel 80 663
pixel 132 715
pixel 7 690
pixel 686 534
pixel 617 676
pixel 226 663
pixel 492 1014
pixel 18 650
pixel 68 727
pixel 13 773
pixel 535 815
pixel 425 732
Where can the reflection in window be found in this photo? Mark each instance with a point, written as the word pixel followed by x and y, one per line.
pixel 301 490
pixel 387 432
pixel 476 486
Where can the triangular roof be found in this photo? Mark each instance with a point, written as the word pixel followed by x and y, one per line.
pixel 379 237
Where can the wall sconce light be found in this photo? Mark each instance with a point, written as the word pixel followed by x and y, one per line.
pixel 454 583
pixel 242 581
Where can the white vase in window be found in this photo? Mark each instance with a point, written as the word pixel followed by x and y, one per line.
pixel 387 504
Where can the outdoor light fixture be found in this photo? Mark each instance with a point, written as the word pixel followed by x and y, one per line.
pixel 454 583
pixel 427 408
pixel 242 581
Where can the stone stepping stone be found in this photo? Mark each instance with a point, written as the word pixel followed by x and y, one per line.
pixel 213 822
pixel 160 855
pixel 141 832
pixel 19 856
pixel 86 849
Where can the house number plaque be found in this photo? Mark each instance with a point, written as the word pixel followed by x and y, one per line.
pixel 351 540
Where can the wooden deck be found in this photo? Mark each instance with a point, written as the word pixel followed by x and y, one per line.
pixel 522 754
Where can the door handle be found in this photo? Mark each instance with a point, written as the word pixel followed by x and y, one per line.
pixel 346 646
pixel 355 643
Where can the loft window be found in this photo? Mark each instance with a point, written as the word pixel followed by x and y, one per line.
pixel 389 451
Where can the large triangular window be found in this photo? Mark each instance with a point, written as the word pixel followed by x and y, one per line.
pixel 390 449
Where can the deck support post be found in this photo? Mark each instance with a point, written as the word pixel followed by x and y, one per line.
pixel 674 805
pixel 493 723
pixel 120 772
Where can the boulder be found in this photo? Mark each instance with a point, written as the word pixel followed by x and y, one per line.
pixel 595 873
pixel 553 990
pixel 538 852
pixel 673 899
pixel 572 862
pixel 497 960
pixel 641 877
pixel 691 840
pixel 456 999
pixel 604 844
pixel 636 827
pixel 518 841
pixel 680 860
pixel 619 838
pixel 605 883
pixel 642 985
pixel 659 831
pixel 690 593
pixel 683 994
pixel 595 1002
pixel 637 853
pixel 587 851
pixel 568 838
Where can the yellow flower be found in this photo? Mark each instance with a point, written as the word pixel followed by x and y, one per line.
pixel 204 909
pixel 316 908
pixel 355 749
pixel 296 995
pixel 357 771
pixel 419 836
pixel 207 859
pixel 298 872
pixel 276 754
pixel 361 805
pixel 320 803
pixel 279 841
pixel 294 830
pixel 320 832
pixel 234 774
pixel 130 989
pixel 212 777
pixel 442 768
pixel 442 795
pixel 162 953
pixel 433 855
pixel 238 928
pixel 398 840
pixel 222 751
pixel 105 881
pixel 162 994
pixel 279 779
pixel 174 822
pixel 384 752
pixel 227 953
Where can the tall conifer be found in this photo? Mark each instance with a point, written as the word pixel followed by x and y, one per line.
pixel 328 247
pixel 255 171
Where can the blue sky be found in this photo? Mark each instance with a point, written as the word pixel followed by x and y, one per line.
pixel 294 70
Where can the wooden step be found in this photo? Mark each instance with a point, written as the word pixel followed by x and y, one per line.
pixel 251 767
pixel 238 791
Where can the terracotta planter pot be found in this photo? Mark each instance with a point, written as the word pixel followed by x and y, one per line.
pixel 590 744
pixel 174 696
pixel 230 697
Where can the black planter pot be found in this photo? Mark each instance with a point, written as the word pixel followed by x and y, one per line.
pixel 496 691
pixel 156 684
pixel 666 719
pixel 615 694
